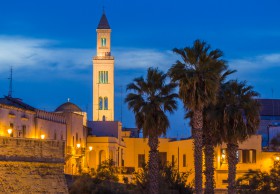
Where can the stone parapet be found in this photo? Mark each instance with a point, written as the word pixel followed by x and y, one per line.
pixel 28 150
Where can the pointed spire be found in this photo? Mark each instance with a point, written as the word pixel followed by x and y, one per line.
pixel 103 24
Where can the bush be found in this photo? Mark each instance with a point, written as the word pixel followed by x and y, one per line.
pixel 257 182
pixel 171 181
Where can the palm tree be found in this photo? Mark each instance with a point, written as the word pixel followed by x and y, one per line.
pixel 198 75
pixel 241 119
pixel 150 99
pixel 212 123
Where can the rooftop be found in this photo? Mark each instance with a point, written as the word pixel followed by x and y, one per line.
pixel 103 24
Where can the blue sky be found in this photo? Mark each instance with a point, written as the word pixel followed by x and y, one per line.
pixel 50 45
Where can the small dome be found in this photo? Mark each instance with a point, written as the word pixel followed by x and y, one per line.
pixel 68 107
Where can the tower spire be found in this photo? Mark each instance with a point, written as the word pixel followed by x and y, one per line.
pixel 11 83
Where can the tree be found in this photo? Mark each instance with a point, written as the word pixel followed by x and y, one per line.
pixel 240 120
pixel 212 117
pixel 149 100
pixel 198 75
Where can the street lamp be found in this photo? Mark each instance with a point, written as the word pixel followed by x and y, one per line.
pixel 78 145
pixel 90 148
pixel 223 157
pixel 42 136
pixel 10 131
pixel 276 160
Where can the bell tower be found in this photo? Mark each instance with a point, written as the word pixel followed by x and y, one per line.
pixel 103 74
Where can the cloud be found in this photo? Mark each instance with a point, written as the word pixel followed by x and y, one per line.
pixel 143 58
pixel 256 63
pixel 29 55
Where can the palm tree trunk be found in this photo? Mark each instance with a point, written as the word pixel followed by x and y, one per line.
pixel 197 124
pixel 232 162
pixel 153 166
pixel 209 164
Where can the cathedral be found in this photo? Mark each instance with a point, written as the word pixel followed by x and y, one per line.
pixel 87 143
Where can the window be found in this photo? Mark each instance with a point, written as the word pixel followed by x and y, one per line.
pixel 11 125
pixel 141 160
pixel 105 103
pixel 103 77
pixel 55 135
pixel 163 158
pixel 100 103
pixel 77 137
pixel 173 161
pixel 103 42
pixel 248 156
pixel 184 160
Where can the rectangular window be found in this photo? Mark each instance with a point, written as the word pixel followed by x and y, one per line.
pixel 248 156
pixel 184 160
pixel 103 77
pixel 141 160
pixel 173 161
pixel 103 42
pixel 163 158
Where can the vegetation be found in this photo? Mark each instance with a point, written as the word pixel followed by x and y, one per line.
pixel 170 179
pixel 275 143
pixel 258 182
pixel 212 124
pixel 198 75
pixel 150 99
pixel 103 181
pixel 240 120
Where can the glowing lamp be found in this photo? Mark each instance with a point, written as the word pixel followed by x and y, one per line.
pixel 223 156
pixel 43 136
pixel 10 131
pixel 78 145
pixel 277 158
pixel 90 148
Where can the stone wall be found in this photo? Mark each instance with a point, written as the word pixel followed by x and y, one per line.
pixel 32 177
pixel 32 166
pixel 22 149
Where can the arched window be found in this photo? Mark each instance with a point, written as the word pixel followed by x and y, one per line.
pixel 103 42
pixel 100 103
pixel 106 103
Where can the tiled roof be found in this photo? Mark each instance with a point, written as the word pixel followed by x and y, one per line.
pixel 270 107
pixel 15 102
pixel 103 24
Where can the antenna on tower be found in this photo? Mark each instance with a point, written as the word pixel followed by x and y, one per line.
pixel 11 83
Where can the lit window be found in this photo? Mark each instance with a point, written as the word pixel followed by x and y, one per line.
pixel 103 42
pixel 105 103
pixel 100 103
pixel 103 77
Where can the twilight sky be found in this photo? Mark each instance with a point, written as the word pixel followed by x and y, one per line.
pixel 50 45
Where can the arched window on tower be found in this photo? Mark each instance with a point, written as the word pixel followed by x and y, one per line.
pixel 106 103
pixel 100 103
pixel 103 42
